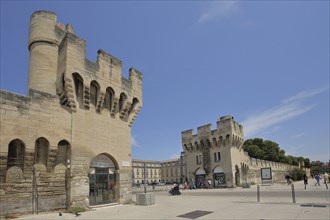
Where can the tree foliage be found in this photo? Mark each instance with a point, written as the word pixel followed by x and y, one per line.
pixel 297 174
pixel 269 150
pixel 318 167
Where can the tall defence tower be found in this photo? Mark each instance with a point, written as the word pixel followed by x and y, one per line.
pixel 43 46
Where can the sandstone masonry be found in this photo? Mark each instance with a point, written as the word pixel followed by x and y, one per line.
pixel 69 140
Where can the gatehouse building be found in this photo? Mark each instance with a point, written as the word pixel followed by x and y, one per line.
pixel 68 142
pixel 218 155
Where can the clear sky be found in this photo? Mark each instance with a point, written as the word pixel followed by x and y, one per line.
pixel 264 62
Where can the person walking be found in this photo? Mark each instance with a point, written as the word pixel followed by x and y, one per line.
pixel 185 185
pixel 209 184
pixel 193 185
pixel 305 180
pixel 325 178
pixel 317 178
pixel 288 179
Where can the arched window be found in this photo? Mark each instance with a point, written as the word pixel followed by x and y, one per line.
pixel 94 93
pixel 41 151
pixel 79 88
pixel 122 101
pixel 16 150
pixel 134 103
pixel 227 139
pixel 215 144
pixel 63 152
pixel 108 99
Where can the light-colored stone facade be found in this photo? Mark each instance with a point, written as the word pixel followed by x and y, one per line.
pixel 217 155
pixel 70 137
pixel 167 171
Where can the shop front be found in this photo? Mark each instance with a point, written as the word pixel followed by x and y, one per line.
pixel 102 181
pixel 219 177
pixel 200 176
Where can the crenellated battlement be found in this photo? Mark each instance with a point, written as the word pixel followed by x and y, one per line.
pixel 228 133
pixel 58 55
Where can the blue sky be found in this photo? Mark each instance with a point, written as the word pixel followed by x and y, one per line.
pixel 265 63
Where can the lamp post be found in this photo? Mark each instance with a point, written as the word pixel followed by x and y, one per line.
pixel 144 177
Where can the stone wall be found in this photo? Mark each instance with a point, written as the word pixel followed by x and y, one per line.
pixel 227 141
pixel 43 191
pixel 74 104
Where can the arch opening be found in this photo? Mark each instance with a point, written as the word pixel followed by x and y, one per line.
pixel 219 177
pixel 102 180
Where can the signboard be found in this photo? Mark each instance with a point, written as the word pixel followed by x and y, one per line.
pixel 266 173
pixel 125 163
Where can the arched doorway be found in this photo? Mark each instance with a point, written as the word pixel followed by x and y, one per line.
pixel 102 180
pixel 219 177
pixel 200 178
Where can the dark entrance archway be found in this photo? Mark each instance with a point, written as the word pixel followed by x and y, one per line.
pixel 200 177
pixel 219 177
pixel 102 180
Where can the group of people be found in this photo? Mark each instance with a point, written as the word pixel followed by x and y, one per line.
pixel 318 178
pixel 201 184
pixel 325 178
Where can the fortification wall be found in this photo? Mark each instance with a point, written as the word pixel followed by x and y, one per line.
pixel 75 110
pixel 226 141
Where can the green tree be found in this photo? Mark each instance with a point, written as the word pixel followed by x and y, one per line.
pixel 297 174
pixel 270 150
pixel 307 163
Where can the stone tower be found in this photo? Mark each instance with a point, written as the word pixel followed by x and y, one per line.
pixel 70 138
pixel 212 154
pixel 44 39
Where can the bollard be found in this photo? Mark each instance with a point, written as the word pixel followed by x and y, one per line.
pixel 258 193
pixel 293 194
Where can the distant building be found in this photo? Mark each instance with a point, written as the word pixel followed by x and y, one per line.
pixel 217 155
pixel 70 138
pixel 167 171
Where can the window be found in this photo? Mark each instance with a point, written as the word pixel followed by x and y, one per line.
pixel 217 156
pixel 63 153
pixel 108 99
pixel 41 151
pixel 16 150
pixel 94 93
pixel 199 159
pixel 135 102
pixel 79 89
pixel 122 101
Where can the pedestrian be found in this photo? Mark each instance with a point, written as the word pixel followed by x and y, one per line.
pixel 305 180
pixel 209 182
pixel 317 178
pixel 193 185
pixel 325 178
pixel 185 185
pixel 288 179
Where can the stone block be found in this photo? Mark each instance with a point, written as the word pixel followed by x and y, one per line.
pixel 246 185
pixel 145 199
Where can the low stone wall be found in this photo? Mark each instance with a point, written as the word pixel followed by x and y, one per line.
pixel 254 176
pixel 23 195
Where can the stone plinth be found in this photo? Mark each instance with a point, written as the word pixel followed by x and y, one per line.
pixel 145 199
